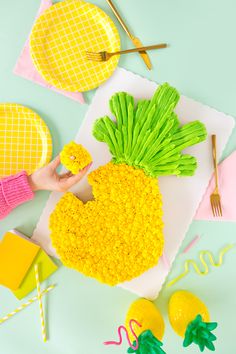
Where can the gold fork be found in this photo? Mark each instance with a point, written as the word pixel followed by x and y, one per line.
pixel 104 56
pixel 215 196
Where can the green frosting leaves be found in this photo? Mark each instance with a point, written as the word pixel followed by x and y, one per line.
pixel 148 344
pixel 149 136
pixel 199 332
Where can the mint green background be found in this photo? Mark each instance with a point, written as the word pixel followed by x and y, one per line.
pixel 200 62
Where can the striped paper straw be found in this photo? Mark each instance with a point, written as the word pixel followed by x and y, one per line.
pixel 23 306
pixel 191 244
pixel 40 303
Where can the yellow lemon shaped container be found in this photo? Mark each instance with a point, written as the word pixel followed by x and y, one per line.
pixel 148 315
pixel 190 319
pixel 183 308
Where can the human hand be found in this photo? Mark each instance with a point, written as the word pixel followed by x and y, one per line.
pixel 47 178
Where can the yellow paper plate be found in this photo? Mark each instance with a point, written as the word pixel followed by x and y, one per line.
pixel 60 38
pixel 25 141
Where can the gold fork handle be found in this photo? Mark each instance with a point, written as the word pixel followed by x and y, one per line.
pixel 214 155
pixel 140 49
pixel 119 18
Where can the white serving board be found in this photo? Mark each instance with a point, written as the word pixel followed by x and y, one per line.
pixel 181 196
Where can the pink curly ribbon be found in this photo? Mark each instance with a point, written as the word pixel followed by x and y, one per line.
pixel 127 335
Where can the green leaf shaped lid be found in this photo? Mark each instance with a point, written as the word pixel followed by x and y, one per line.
pixel 148 344
pixel 199 332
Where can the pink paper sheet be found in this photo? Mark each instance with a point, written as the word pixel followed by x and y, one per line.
pixel 227 186
pixel 25 67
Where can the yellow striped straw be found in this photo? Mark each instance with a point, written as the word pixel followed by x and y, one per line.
pixel 23 306
pixel 44 334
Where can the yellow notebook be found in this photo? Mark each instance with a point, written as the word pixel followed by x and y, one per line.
pixel 16 256
pixel 46 267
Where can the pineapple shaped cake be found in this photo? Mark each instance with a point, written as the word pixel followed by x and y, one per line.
pixel 119 235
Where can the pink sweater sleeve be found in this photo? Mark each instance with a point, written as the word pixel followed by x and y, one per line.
pixel 14 190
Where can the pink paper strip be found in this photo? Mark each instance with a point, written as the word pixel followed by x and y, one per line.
pixel 165 261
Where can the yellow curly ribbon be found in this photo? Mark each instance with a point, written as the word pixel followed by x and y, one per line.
pixel 204 263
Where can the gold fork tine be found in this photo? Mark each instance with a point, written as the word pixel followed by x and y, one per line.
pixel 215 196
pixel 91 54
pixel 220 209
pixel 94 56
pixel 217 208
pixel 213 207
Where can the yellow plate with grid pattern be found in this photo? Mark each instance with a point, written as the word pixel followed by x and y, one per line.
pixel 25 141
pixel 60 38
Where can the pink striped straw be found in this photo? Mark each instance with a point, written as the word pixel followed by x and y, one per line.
pixel 191 244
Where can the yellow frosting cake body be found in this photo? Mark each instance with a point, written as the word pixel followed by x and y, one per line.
pixel 119 235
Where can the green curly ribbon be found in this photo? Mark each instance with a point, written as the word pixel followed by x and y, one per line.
pixel 199 332
pixel 149 136
pixel 148 344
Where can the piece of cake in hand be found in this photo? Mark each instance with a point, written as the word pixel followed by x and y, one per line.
pixel 75 157
pixel 119 235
